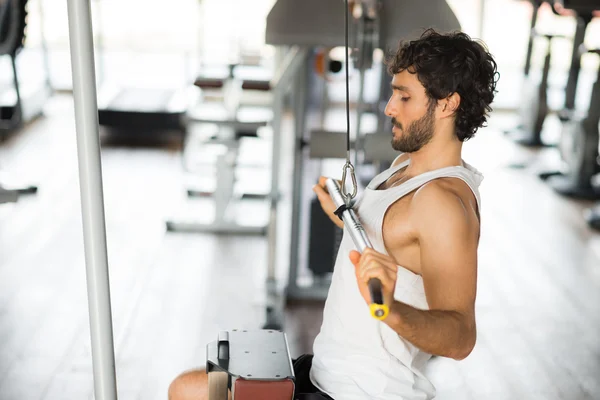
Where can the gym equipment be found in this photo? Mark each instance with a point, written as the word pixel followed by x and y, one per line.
pixel 143 110
pixel 226 122
pixel 8 196
pixel 252 364
pixel 24 102
pixel 379 309
pixel 584 10
pixel 13 24
pixel 293 23
pixel 579 150
pixel 231 107
pixel 94 230
pixel 324 236
pixel 224 196
pixel 534 107
pixel 10 192
pixel 536 6
pixel 12 37
pixel 88 148
pixel 224 115
pixel 324 241
pixel 90 179
pixel 257 364
pixel 576 145
pixel 592 216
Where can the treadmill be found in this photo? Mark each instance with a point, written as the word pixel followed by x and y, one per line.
pixel 13 22
pixel 141 110
pixel 23 101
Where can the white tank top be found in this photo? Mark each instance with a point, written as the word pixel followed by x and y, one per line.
pixel 356 356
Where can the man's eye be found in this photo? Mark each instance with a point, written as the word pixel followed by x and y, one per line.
pixel 404 98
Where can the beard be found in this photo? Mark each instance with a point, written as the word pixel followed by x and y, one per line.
pixel 417 134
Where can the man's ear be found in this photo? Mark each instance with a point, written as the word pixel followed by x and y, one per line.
pixel 450 104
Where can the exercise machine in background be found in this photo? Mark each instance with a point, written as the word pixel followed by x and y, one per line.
pixel 226 171
pixel 142 110
pixel 22 102
pixel 534 107
pixel 579 150
pixel 229 122
pixel 578 145
pixel 588 128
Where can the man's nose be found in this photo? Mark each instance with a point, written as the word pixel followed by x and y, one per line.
pixel 389 108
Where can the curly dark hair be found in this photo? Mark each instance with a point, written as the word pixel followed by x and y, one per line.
pixel 449 63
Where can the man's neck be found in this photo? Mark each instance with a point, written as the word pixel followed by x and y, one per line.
pixel 434 156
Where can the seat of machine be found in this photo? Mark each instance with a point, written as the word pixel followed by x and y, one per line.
pixel 158 108
pixel 252 355
pixel 250 117
pixel 213 77
pixel 253 364
pixel 253 77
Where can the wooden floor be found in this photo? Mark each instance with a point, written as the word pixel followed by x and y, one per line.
pixel 538 302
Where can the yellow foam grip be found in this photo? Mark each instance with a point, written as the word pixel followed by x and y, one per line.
pixel 379 311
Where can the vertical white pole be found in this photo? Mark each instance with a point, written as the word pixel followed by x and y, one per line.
pixel 92 206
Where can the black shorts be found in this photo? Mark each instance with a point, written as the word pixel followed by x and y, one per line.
pixel 305 390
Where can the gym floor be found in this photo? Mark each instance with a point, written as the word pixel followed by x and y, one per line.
pixel 538 301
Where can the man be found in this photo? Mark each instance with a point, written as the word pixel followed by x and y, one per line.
pixel 422 217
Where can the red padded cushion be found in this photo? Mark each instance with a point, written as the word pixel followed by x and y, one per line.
pixel 264 390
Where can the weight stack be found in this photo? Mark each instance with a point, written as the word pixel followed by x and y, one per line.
pixel 324 242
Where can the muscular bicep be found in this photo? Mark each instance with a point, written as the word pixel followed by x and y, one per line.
pixel 448 235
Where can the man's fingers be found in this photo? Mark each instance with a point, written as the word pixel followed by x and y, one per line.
pixel 372 255
pixel 355 257
pixel 371 268
pixel 327 204
pixel 376 270
pixel 320 191
pixel 322 181
pixel 324 198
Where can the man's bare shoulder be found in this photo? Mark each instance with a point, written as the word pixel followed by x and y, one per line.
pixel 445 204
pixel 442 188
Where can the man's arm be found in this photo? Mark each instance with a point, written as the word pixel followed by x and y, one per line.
pixel 443 333
pixel 448 235
pixel 448 232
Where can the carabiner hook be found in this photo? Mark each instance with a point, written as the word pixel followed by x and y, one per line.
pixel 349 196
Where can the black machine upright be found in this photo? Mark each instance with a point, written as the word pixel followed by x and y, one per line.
pixel 578 144
pixel 25 104
pixel 534 108
pixel 13 25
